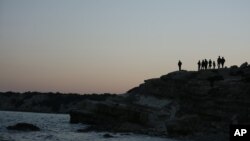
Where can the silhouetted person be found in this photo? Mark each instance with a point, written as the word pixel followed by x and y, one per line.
pixel 206 63
pixel 210 63
pixel 218 62
pixel 179 64
pixel 214 65
pixel 203 64
pixel 222 62
pixel 199 65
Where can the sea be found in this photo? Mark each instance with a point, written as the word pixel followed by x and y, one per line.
pixel 56 127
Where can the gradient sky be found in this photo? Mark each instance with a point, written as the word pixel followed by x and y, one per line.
pixel 98 46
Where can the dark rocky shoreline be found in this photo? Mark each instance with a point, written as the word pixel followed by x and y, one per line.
pixel 186 104
pixel 196 105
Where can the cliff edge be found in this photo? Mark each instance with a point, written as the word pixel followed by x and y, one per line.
pixel 181 103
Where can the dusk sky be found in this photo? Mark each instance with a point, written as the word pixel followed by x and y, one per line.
pixel 98 46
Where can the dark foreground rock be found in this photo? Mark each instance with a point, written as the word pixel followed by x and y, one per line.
pixel 107 136
pixel 114 118
pixel 24 127
pixel 190 104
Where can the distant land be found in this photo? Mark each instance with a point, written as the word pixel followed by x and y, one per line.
pixel 46 102
pixel 196 105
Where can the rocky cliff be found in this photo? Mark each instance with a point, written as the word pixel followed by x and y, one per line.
pixel 181 103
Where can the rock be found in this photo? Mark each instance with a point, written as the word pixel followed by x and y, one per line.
pixel 120 117
pixel 214 78
pixel 155 82
pixel 109 113
pixel 246 77
pixel 234 71
pixel 178 104
pixel 83 130
pixel 244 65
pixel 107 136
pixel 178 75
pixel 133 90
pixel 96 128
pixel 24 127
pixel 234 67
pixel 204 75
pixel 125 134
pixel 183 126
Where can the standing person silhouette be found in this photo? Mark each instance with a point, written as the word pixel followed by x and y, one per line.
pixel 210 63
pixel 214 65
pixel 199 65
pixel 218 62
pixel 205 63
pixel 179 64
pixel 222 62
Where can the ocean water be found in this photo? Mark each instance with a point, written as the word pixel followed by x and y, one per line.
pixel 56 127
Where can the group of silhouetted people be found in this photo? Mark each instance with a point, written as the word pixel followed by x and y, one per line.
pixel 221 62
pixel 208 64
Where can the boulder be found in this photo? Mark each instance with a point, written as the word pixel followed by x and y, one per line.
pixel 234 67
pixel 234 71
pixel 107 136
pixel 24 127
pixel 244 65
pixel 109 113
